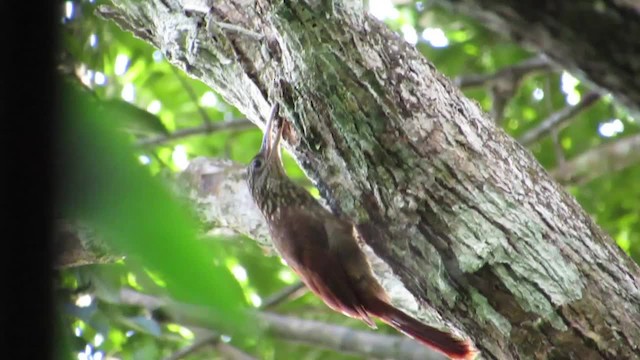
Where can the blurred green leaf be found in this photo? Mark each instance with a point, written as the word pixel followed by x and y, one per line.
pixel 147 349
pixel 62 338
pixel 144 324
pixel 132 118
pixel 103 185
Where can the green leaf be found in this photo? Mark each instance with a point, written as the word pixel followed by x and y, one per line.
pixel 132 118
pixel 103 185
pixel 144 324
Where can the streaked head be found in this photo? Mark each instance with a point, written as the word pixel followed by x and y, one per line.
pixel 267 163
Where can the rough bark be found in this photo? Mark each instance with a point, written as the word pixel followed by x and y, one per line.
pixel 594 39
pixel 464 216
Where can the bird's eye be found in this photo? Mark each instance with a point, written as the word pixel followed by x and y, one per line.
pixel 257 163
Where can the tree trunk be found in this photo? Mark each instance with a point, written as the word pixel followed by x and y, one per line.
pixel 596 40
pixel 463 215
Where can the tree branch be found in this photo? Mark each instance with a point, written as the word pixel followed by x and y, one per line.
pixel 557 119
pixel 76 244
pixel 572 36
pixel 283 295
pixel 604 159
pixel 229 352
pixel 207 128
pixel 503 83
pixel 512 74
pixel 194 347
pixel 314 333
pixel 343 339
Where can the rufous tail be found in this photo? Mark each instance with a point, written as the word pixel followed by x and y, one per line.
pixel 455 348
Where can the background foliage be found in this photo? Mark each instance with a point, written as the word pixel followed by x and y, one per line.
pixel 142 96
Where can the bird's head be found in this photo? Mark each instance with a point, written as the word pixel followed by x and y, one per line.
pixel 265 170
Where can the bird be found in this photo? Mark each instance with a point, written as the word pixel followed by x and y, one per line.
pixel 321 248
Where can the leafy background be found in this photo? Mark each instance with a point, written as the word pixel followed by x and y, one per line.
pixel 121 93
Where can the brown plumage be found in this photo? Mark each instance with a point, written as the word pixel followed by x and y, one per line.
pixel 321 248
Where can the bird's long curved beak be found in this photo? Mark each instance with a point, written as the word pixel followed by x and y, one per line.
pixel 270 145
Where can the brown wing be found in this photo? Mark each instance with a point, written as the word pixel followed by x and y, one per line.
pixel 308 253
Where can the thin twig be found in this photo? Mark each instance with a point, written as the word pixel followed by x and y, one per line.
pixel 343 339
pixel 193 347
pixel 239 124
pixel 557 119
pixel 229 352
pixel 515 72
pixel 504 83
pixel 192 94
pixel 282 295
pixel 557 146
pixel 599 161
pixel 501 94
pixel 555 132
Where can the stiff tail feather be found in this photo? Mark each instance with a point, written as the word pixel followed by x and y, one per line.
pixel 441 341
